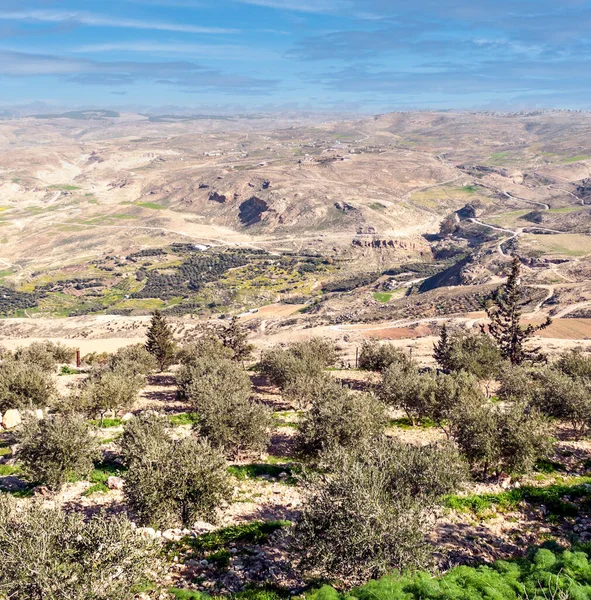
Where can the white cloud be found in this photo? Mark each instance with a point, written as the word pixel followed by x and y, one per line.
pixel 51 16
pixel 215 51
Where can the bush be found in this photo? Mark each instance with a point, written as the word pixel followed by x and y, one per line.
pixel 135 360
pixel 144 436
pixel 498 439
pixel 45 355
pixel 339 418
pixel 208 347
pixel 404 388
pixel 25 386
pixel 54 449
pixel 300 359
pixel 48 553
pixel 111 390
pixel 181 482
pixel 378 357
pixel 220 393
pixel 365 518
pixel 575 364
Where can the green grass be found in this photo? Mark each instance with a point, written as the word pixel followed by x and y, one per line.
pixel 64 187
pixel 107 423
pixel 99 475
pixel 249 533
pixel 404 423
pixel 545 572
pixel 557 498
pixel 573 159
pixel 152 205
pixel 183 419
pixel 243 472
pixel 6 470
pixel 66 370
pixel 382 296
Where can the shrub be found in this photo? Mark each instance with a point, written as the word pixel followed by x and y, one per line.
pixel 339 418
pixel 24 386
pixel 494 438
pixel 48 553
pixel 134 360
pixel 56 448
pixel 367 517
pixel 403 387
pixel 45 355
pixel 206 348
pixel 575 364
pixel 309 358
pixel 220 392
pixel 477 354
pixel 564 397
pixel 111 390
pixel 378 357
pixel 144 436
pixel 181 482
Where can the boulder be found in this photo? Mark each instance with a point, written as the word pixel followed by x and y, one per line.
pixel 11 419
pixel 127 417
pixel 115 483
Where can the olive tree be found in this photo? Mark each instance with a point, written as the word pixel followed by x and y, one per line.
pixel 53 449
pixel 220 393
pixel 180 482
pixel 368 515
pixel 375 356
pixel 46 552
pixel 339 418
pixel 25 386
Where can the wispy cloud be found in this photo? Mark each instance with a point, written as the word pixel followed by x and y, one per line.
pixel 183 74
pixel 320 6
pixel 215 51
pixel 93 20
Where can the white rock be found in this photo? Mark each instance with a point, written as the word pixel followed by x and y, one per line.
pixel 11 419
pixel 115 483
pixel 172 535
pixel 203 527
pixel 147 532
pixel 127 417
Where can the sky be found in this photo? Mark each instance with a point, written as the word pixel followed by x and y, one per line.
pixel 297 55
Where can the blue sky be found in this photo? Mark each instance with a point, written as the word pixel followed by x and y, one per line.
pixel 344 55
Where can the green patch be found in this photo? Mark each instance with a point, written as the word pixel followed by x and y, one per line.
pixel 64 187
pixel 382 296
pixel 558 498
pixel 180 594
pixel 243 472
pixel 573 159
pixel 405 423
pixel 549 466
pixel 7 470
pixel 546 572
pixel 66 370
pixel 221 558
pixel 183 419
pixel 107 423
pixel 152 205
pixel 250 533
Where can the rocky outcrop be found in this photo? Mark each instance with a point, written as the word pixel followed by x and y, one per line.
pixel 251 211
pixel 217 197
pixel 385 244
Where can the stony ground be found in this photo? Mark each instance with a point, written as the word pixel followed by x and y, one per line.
pixel 248 544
